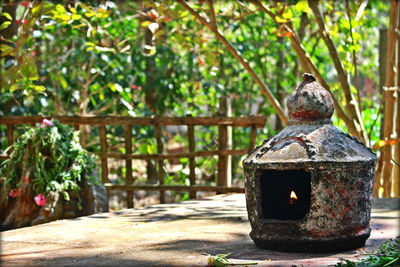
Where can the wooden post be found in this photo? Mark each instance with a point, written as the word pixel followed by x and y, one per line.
pixel 192 162
pixel 103 142
pixel 253 135
pixel 10 136
pixel 128 164
pixel 104 167
pixel 225 142
pixel 160 162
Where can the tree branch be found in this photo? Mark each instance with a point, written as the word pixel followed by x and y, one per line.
pixel 213 20
pixel 351 104
pixel 264 89
pixel 304 21
pixel 353 53
pixel 308 66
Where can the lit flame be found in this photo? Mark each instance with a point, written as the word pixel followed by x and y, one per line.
pixel 293 195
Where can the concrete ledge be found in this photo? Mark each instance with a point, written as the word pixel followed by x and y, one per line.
pixel 183 234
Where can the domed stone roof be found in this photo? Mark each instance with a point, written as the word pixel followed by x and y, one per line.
pixel 310 136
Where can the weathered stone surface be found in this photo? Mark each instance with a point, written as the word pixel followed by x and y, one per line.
pixel 342 174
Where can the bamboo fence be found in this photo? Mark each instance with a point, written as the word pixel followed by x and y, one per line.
pixel 223 122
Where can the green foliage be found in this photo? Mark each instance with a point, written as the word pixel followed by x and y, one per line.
pixel 387 255
pixel 221 260
pixel 19 73
pixel 52 156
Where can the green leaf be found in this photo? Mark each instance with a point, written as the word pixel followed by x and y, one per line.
pixel 302 6
pixel 112 87
pixel 287 14
pixel 76 16
pixel 65 17
pixel 37 10
pixel 14 87
pixel 280 19
pixel 62 81
pixel 60 9
pixel 90 44
pixel 145 23
pixel 345 24
pixel 149 149
pixel 7 50
pixel 5 25
pixel 38 88
pixel 353 89
pixel 90 14
pixel 5 14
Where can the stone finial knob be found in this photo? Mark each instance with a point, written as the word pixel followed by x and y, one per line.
pixel 308 78
pixel 310 102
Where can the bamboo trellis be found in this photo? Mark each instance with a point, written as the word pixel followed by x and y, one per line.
pixel 253 122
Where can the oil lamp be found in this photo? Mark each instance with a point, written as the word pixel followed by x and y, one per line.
pixel 309 187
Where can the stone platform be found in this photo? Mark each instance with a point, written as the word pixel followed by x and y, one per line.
pixel 183 234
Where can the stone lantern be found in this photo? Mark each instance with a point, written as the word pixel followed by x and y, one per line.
pixel 309 188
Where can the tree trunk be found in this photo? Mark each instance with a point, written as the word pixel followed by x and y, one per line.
pixel 389 98
pixel 396 170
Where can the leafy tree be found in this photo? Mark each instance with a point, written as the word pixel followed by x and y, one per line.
pixel 335 22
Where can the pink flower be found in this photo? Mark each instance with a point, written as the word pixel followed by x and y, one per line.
pixel 133 86
pixel 13 192
pixel 140 88
pixel 25 4
pixel 40 200
pixel 46 122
